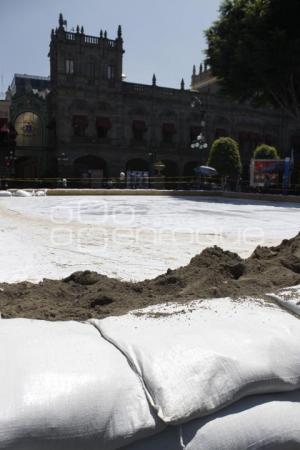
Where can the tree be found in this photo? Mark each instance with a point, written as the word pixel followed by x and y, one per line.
pixel 253 48
pixel 224 156
pixel 265 152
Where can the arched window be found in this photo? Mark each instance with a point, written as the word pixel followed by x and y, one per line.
pixel 29 130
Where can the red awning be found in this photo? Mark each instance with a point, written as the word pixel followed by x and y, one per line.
pixel 254 137
pixel 195 130
pixel 295 140
pixel 139 125
pixel 4 129
pixel 249 136
pixel 169 128
pixel 103 122
pixel 12 132
pixel 244 136
pixel 80 121
pixel 221 132
pixel 269 139
pixel 4 125
pixel 257 137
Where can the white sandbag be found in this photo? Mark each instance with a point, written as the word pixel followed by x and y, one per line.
pixel 197 358
pixel 40 193
pixel 257 423
pixel 22 193
pixel 289 298
pixel 5 194
pixel 63 387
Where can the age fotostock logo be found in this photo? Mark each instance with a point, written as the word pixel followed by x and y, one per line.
pixel 98 223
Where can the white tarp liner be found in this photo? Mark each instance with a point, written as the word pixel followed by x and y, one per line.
pixel 261 422
pixel 22 193
pixel 63 387
pixel 289 298
pixel 133 237
pixel 209 355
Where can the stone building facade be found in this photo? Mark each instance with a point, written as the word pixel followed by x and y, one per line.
pixel 249 126
pixel 4 134
pixel 27 125
pixel 86 120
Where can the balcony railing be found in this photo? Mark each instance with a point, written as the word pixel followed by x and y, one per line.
pixel 146 88
pixel 91 40
pixel 70 36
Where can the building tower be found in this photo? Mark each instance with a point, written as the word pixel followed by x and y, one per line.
pixel 77 59
pixel 85 74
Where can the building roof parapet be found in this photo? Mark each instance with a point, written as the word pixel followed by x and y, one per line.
pixel 172 93
pixel 90 40
pixel 203 77
pixel 147 88
pixel 32 77
pixel 79 36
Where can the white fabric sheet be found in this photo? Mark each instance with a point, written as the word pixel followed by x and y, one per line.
pixel 289 298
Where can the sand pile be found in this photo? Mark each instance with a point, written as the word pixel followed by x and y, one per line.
pixel 213 273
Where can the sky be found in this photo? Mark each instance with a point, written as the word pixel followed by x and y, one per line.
pixel 165 37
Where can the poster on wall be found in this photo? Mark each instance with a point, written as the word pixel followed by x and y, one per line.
pixel 266 172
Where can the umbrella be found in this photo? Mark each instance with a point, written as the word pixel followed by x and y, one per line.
pixel 206 171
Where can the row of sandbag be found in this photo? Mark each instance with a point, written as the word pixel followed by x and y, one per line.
pixel 23 193
pixel 270 421
pixel 161 375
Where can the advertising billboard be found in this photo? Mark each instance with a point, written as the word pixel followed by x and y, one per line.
pixel 267 172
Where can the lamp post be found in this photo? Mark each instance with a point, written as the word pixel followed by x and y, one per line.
pixel 10 162
pixel 62 158
pixel 152 161
pixel 9 137
pixel 200 142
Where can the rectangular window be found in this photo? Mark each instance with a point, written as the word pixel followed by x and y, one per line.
pixel 168 132
pixel 139 129
pixel 80 124
pixel 103 125
pixel 69 66
pixel 110 72
pixel 91 70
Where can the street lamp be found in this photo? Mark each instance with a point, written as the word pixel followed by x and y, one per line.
pixel 9 161
pixel 62 158
pixel 152 154
pixel 200 142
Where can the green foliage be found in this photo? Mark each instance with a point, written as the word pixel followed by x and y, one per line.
pixel 253 48
pixel 265 152
pixel 224 156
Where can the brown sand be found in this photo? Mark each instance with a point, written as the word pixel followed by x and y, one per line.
pixel 213 273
